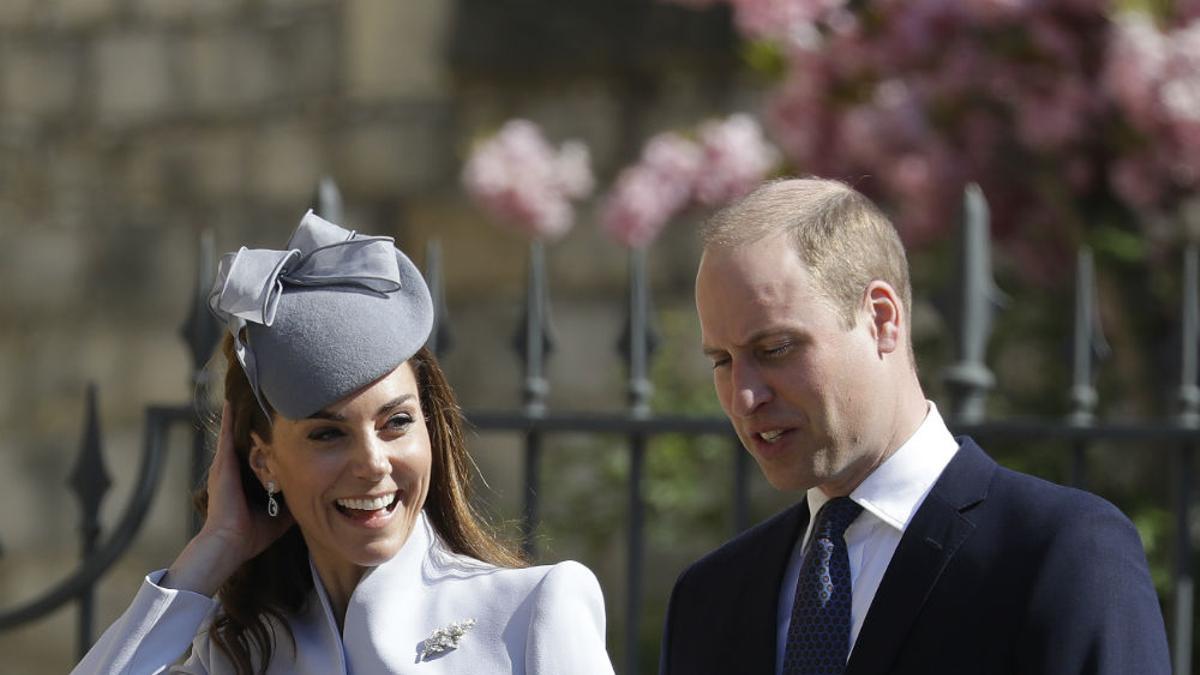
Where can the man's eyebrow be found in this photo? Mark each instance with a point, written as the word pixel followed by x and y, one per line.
pixel 757 336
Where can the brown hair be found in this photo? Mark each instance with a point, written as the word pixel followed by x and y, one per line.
pixel 277 582
pixel 842 238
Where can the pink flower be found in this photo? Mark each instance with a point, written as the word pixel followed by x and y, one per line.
pixel 648 194
pixel 1137 55
pixel 1051 121
pixel 789 21
pixel 1136 180
pixel 736 159
pixel 518 177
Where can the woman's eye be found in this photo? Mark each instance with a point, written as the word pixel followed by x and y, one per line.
pixel 719 363
pixel 399 422
pixel 324 434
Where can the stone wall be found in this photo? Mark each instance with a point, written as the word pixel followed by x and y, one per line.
pixel 128 127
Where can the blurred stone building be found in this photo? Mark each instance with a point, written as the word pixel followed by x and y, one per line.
pixel 129 127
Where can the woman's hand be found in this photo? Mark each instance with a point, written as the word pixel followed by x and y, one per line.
pixel 233 532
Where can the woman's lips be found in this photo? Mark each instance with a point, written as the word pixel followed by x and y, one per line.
pixel 370 518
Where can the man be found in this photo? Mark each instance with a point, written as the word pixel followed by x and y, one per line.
pixel 925 557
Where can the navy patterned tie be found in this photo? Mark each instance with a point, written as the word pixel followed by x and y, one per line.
pixel 818 639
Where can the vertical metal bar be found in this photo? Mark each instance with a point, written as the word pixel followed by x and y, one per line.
pixel 1188 416
pixel 1184 584
pixel 531 513
pixel 533 344
pixel 1189 386
pixel 638 342
pixel 637 345
pixel 327 200
pixel 1087 338
pixel 970 379
pixel 440 340
pixel 201 332
pixel 90 481
pixel 741 487
pixel 637 515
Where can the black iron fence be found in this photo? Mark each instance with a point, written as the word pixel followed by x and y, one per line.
pixel 969 380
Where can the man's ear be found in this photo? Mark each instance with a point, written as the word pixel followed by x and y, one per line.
pixel 261 460
pixel 886 316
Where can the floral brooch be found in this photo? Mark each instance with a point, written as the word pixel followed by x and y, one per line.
pixel 444 639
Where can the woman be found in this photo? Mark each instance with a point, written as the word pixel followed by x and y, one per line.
pixel 338 535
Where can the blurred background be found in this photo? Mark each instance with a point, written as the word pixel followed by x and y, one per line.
pixel 594 135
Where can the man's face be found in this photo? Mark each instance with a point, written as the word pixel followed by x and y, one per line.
pixel 796 383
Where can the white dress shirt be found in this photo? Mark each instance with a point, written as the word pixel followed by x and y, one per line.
pixel 547 619
pixel 890 496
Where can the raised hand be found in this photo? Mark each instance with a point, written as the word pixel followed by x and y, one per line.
pixel 232 532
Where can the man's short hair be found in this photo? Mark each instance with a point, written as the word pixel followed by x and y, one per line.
pixel 842 238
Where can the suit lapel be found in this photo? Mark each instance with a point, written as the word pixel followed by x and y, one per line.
pixel 752 625
pixel 935 534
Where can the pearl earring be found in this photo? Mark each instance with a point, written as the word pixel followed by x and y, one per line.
pixel 272 505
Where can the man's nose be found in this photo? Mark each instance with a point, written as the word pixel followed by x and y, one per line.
pixel 750 389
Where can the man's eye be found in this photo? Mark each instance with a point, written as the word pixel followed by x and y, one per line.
pixel 777 350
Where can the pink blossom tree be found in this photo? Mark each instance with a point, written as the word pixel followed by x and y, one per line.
pixel 523 181
pixel 727 160
pixel 1071 116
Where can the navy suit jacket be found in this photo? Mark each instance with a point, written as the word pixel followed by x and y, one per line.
pixel 998 572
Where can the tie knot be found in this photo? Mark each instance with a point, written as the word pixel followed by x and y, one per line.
pixel 835 517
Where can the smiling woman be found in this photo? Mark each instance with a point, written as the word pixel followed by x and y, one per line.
pixel 338 533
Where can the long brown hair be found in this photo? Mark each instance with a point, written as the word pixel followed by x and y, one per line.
pixel 277 582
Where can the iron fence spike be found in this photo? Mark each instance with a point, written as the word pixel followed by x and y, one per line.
pixel 969 379
pixel 201 330
pixel 89 478
pixel 441 341
pixel 1189 388
pixel 327 200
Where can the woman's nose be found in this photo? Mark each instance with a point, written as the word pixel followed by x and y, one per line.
pixel 371 459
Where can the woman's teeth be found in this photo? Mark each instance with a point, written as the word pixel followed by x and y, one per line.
pixel 771 436
pixel 367 504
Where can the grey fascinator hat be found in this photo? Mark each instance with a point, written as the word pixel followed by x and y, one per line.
pixel 323 318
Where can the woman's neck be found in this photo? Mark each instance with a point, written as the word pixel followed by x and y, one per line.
pixel 339 578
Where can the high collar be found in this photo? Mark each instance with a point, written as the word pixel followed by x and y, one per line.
pixel 894 490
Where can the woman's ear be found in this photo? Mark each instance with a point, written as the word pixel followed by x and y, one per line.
pixel 887 317
pixel 261 460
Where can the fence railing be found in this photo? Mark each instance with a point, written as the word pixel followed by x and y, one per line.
pixel 969 379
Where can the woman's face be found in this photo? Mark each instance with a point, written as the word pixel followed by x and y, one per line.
pixel 355 474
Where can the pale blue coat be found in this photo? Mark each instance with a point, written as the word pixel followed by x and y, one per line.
pixel 536 621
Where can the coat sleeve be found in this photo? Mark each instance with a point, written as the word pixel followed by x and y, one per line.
pixel 566 626
pixel 1093 609
pixel 153 633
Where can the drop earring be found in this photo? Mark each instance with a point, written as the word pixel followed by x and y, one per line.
pixel 272 505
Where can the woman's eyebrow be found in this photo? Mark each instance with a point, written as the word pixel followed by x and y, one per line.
pixel 383 409
pixel 392 404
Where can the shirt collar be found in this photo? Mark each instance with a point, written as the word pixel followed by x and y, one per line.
pixel 894 490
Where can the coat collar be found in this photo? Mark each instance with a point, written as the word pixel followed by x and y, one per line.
pixel 365 627
pixel 936 532
pixel 751 625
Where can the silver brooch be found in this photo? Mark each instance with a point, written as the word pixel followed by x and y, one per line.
pixel 445 639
